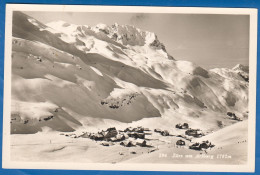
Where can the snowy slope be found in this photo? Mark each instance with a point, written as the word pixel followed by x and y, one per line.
pixel 67 76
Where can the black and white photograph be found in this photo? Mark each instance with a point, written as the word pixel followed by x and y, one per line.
pixel 129 88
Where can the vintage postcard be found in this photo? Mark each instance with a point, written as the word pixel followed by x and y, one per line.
pixel 130 88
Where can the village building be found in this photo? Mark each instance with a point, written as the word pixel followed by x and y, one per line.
pixel 194 132
pixel 180 143
pixel 182 126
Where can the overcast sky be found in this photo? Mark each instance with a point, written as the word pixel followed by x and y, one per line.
pixel 207 40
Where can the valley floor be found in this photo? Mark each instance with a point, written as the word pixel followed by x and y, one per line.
pixel 230 148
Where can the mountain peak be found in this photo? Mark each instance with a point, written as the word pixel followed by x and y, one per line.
pixel 126 34
pixel 240 67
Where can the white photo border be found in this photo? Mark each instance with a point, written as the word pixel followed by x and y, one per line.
pixel 249 167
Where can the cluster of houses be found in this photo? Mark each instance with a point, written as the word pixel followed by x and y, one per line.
pixel 182 126
pixel 194 133
pixel 233 116
pixel 202 145
pixel 135 136
pixel 189 131
pixel 162 132
pixel 107 135
pixel 138 143
pixel 112 135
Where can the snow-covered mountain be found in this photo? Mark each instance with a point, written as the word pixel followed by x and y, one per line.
pixel 68 76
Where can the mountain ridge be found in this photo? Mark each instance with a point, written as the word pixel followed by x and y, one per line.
pixel 86 75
